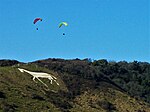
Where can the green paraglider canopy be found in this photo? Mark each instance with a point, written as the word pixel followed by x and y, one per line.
pixel 63 23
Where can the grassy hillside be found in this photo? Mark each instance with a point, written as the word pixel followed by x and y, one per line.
pixel 132 77
pixel 77 92
pixel 20 93
pixel 108 100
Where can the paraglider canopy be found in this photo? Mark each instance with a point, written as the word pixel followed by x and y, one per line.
pixel 36 20
pixel 63 23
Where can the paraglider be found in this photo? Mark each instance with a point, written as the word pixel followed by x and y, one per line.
pixel 36 20
pixel 63 24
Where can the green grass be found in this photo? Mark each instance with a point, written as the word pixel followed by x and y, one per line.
pixel 22 94
pixel 19 89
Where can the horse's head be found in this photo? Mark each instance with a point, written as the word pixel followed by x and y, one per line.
pixel 20 69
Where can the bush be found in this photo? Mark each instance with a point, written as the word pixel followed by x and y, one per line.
pixel 106 105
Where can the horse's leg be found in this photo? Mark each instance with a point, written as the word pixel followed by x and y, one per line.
pixel 42 82
pixel 53 77
pixel 50 78
pixel 34 79
pixel 51 81
pixel 56 82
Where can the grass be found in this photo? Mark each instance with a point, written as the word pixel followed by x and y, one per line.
pixel 108 100
pixel 19 93
pixel 20 90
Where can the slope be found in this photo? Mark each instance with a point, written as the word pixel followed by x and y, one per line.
pixel 77 92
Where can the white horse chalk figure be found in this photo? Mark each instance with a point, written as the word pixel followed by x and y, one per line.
pixel 40 75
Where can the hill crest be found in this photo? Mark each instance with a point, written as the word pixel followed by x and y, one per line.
pixel 81 88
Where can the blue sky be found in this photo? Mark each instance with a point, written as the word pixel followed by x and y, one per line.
pixel 98 29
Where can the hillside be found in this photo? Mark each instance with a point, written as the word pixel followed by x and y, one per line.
pixel 132 77
pixel 81 89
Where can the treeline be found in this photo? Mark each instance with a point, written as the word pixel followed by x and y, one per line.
pixel 6 62
pixel 133 77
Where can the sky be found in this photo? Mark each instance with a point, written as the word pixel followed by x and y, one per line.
pixel 116 30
